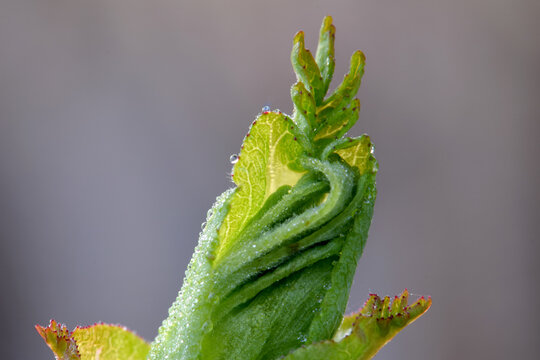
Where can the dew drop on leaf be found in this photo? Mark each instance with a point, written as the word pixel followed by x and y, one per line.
pixel 233 159
pixel 327 286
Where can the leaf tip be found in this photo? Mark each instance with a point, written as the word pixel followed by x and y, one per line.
pixel 358 54
pixel 327 25
pixel 299 38
pixel 59 339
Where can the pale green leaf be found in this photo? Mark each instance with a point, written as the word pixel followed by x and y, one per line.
pixel 96 342
pixel 263 167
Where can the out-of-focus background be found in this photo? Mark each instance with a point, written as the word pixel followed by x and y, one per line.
pixel 118 117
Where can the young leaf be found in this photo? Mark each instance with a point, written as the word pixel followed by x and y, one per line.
pixel 306 69
pixel 325 52
pixel 96 342
pixel 275 263
pixel 362 334
pixel 331 115
pixel 60 340
pixel 262 168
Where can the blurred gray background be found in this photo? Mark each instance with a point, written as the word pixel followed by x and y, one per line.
pixel 117 119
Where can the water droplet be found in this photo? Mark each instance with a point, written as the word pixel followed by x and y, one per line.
pixel 266 108
pixel 302 338
pixel 327 286
pixel 206 326
pixel 203 225
pixel 372 150
pixel 277 111
pixel 234 158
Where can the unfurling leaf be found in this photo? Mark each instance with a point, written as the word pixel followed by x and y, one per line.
pixel 96 342
pixel 271 275
pixel 60 340
pixel 276 260
pixel 362 334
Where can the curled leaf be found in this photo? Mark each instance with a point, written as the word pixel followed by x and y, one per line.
pixel 276 259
